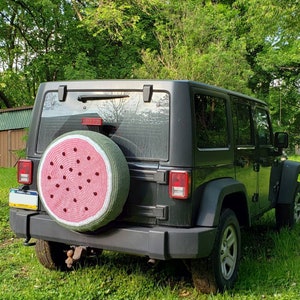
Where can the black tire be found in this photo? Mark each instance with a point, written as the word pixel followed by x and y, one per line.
pixel 287 215
pixel 51 255
pixel 219 272
pixel 83 180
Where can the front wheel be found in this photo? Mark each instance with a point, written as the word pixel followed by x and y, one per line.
pixel 287 215
pixel 219 271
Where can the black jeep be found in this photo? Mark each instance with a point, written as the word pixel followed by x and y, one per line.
pixel 162 169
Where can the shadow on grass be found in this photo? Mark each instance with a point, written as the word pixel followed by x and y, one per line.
pixel 265 268
pixel 165 273
pixel 258 240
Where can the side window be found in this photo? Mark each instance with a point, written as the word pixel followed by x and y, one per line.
pixel 243 124
pixel 211 122
pixel 262 126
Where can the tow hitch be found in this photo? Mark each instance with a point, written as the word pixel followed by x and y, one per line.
pixel 74 255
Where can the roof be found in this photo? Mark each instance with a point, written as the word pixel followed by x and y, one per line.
pixel 136 84
pixel 15 118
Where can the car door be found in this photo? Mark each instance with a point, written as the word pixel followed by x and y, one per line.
pixel 252 133
pixel 264 154
pixel 245 156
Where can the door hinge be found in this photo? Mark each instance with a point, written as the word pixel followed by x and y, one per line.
pixel 256 167
pixel 255 197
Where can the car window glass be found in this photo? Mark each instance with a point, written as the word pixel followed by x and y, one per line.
pixel 140 129
pixel 242 124
pixel 211 121
pixel 263 127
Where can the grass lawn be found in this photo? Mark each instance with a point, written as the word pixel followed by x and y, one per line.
pixel 270 268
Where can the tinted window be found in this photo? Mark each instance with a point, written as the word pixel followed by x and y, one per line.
pixel 263 127
pixel 211 122
pixel 140 129
pixel 242 124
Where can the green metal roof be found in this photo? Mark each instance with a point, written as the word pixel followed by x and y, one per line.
pixel 15 118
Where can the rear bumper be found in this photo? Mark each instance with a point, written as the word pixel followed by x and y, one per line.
pixel 155 242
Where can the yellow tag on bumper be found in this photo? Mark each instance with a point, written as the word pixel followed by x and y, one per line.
pixel 23 199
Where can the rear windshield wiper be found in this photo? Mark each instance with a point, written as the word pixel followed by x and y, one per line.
pixel 85 98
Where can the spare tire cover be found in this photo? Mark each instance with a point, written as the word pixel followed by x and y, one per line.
pixel 83 180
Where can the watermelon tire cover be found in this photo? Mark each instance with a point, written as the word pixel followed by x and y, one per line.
pixel 83 180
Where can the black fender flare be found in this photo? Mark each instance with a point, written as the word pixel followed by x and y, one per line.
pixel 288 182
pixel 212 195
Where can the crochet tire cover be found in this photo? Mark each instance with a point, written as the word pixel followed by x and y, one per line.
pixel 83 180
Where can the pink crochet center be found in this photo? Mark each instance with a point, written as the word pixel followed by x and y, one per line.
pixel 74 180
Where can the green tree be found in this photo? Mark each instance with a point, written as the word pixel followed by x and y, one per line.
pixel 47 40
pixel 199 42
pixel 122 28
pixel 272 32
pixel 251 46
pixel 32 42
pixel 81 69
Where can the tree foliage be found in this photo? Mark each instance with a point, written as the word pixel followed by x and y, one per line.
pixel 199 43
pixel 251 46
pixel 273 38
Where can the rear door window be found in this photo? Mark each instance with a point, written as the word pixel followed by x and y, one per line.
pixel 211 122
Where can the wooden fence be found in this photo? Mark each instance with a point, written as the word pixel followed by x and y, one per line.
pixel 12 142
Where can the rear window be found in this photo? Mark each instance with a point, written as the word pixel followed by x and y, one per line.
pixel 140 129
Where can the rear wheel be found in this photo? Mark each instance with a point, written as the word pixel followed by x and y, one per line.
pixel 219 272
pixel 287 215
pixel 51 255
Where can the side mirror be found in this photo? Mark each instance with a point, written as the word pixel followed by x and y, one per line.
pixel 281 140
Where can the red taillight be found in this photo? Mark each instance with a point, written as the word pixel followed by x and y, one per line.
pixel 25 171
pixel 179 184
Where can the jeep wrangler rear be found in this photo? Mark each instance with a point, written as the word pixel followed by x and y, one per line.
pixel 163 169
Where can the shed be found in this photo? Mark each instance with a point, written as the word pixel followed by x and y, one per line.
pixel 13 130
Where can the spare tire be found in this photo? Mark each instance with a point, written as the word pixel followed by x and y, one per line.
pixel 83 180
